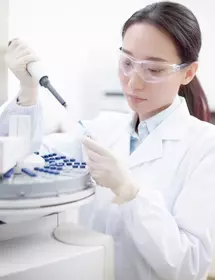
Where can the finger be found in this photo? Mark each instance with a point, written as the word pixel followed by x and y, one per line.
pixel 27 59
pixel 94 157
pixel 23 53
pixel 12 40
pixel 93 166
pixel 97 178
pixel 95 147
pixel 20 47
pixel 118 200
pixel 14 43
pixel 17 44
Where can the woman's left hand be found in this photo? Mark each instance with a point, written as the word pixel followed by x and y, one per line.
pixel 108 171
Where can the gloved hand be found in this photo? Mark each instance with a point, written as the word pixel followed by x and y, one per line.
pixel 17 57
pixel 108 171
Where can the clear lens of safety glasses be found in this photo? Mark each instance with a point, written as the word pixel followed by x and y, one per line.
pixel 149 71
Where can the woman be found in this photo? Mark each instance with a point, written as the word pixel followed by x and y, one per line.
pixel 154 170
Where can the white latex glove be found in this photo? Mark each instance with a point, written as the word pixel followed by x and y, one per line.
pixel 108 171
pixel 17 57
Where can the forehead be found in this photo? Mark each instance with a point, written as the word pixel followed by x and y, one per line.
pixel 144 40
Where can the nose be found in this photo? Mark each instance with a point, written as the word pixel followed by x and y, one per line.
pixel 135 83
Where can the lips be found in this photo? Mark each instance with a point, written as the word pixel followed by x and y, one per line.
pixel 136 97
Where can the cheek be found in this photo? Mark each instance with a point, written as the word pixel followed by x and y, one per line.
pixel 163 93
pixel 171 86
pixel 168 87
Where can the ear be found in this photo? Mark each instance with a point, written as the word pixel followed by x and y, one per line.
pixel 190 73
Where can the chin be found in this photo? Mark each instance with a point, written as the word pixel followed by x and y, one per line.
pixel 139 106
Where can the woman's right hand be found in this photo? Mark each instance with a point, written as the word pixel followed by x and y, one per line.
pixel 17 57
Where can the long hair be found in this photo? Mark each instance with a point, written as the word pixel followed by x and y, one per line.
pixel 182 26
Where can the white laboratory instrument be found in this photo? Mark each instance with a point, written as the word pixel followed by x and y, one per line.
pixel 39 200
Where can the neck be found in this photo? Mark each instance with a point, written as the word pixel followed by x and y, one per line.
pixel 143 117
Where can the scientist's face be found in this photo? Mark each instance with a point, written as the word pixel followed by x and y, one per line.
pixel 143 84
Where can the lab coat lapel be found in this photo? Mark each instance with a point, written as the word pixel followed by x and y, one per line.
pixel 150 149
pixel 171 129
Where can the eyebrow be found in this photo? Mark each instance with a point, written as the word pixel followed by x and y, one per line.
pixel 153 58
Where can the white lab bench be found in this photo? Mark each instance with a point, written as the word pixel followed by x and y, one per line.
pixel 36 254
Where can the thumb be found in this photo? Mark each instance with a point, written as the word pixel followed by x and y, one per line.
pixel 95 146
pixel 118 200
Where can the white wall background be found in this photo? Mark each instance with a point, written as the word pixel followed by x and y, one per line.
pixel 4 23
pixel 78 41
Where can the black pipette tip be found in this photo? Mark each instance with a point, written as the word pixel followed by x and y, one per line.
pixel 44 81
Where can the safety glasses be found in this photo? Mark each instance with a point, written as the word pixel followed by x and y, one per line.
pixel 149 71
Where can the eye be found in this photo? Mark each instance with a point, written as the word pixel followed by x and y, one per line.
pixel 127 62
pixel 159 70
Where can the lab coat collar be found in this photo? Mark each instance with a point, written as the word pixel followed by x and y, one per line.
pixel 172 126
pixel 172 129
pixel 151 123
pixel 175 125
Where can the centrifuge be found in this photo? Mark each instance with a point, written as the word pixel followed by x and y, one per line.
pixel 40 195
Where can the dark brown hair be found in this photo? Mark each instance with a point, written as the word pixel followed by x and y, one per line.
pixel 182 26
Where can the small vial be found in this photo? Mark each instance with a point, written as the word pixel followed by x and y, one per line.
pixel 52 164
pixel 53 173
pixel 59 168
pixel 52 168
pixel 41 172
pixel 76 169
pixel 29 172
pixel 51 155
pixel 9 174
pixel 80 169
pixel 38 170
pixel 60 159
pixel 46 167
pixel 68 167
pixel 60 164
pixel 46 161
pixel 47 173
pixel 69 164
pixel 82 166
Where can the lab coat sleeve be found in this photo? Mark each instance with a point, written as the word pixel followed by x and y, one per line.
pixel 177 244
pixel 35 112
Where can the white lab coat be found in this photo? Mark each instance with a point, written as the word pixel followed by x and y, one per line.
pixel 165 232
